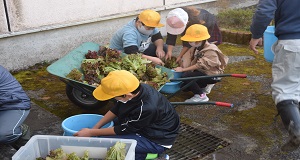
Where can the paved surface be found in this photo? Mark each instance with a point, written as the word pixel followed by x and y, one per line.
pixel 246 146
pixel 41 122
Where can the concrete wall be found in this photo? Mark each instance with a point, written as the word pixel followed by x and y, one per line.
pixel 19 52
pixel 43 30
pixel 38 13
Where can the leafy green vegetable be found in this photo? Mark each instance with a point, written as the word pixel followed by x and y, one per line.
pixel 108 60
pixel 171 63
pixel 59 154
pixel 75 74
pixel 151 71
pixel 91 55
pixel 73 156
pixel 91 72
pixel 85 155
pixel 116 152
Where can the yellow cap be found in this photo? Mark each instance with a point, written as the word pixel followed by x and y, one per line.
pixel 150 18
pixel 196 32
pixel 116 83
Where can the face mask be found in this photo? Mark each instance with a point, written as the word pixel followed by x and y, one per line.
pixel 124 101
pixel 193 44
pixel 143 30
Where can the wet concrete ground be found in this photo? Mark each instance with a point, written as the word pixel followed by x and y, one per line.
pixel 41 122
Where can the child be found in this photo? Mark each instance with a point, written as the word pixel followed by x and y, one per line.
pixel 179 19
pixel 202 59
pixel 141 113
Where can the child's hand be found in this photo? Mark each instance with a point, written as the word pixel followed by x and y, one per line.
pixel 178 69
pixel 157 61
pixel 160 53
pixel 85 132
pixel 168 55
pixel 178 60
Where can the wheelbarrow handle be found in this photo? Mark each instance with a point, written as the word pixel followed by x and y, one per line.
pixel 224 104
pixel 221 104
pixel 210 76
pixel 239 75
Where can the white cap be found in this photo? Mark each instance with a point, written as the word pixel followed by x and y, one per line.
pixel 176 21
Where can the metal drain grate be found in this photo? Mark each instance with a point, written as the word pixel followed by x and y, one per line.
pixel 193 143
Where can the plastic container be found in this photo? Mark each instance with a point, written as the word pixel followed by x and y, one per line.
pixel 176 74
pixel 75 123
pixel 40 146
pixel 170 87
pixel 269 40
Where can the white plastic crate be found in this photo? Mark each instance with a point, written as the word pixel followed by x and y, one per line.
pixel 40 146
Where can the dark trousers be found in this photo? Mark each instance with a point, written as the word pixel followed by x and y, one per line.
pixel 197 86
pixel 143 146
pixel 151 50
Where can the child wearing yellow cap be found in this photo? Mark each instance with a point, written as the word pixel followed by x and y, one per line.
pixel 202 59
pixel 142 36
pixel 179 19
pixel 141 113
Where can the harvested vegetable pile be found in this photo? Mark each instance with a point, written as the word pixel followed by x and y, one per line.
pixel 59 154
pixel 171 63
pixel 116 152
pixel 98 64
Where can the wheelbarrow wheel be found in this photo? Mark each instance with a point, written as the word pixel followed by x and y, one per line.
pixel 83 100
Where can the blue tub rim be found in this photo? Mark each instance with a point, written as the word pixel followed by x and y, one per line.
pixel 78 115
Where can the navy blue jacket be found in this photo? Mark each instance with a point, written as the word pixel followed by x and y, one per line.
pixel 149 114
pixel 12 96
pixel 286 14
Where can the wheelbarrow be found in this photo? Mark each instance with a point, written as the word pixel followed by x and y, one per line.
pixel 81 94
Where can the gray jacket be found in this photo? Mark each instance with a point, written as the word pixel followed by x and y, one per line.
pixel 12 95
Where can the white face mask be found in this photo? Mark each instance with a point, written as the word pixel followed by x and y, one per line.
pixel 144 31
pixel 124 101
pixel 193 44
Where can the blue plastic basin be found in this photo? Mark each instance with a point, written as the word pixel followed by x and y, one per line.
pixel 176 74
pixel 75 123
pixel 171 87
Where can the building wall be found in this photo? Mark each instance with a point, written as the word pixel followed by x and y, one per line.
pixel 43 30
pixel 3 22
pixel 38 13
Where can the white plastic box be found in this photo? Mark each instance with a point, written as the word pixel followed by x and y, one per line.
pixel 40 146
